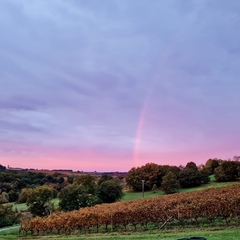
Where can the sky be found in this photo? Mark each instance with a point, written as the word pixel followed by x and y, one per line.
pixel 109 85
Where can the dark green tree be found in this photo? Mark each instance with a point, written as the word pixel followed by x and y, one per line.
pixel 213 164
pixel 192 165
pixel 104 178
pixel 110 191
pixel 170 183
pixel 151 173
pixel 227 171
pixel 189 177
pixel 23 196
pixel 39 201
pixel 7 215
pixel 88 181
pixel 205 173
pixel 3 197
pixel 134 178
pixel 75 196
pixel 2 168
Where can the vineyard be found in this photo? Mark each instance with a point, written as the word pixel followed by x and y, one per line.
pixel 216 203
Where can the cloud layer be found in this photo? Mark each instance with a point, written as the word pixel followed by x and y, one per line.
pixel 107 85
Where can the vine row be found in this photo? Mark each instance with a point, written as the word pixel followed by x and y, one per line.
pixel 210 204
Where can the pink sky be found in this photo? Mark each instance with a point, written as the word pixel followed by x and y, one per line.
pixel 108 85
pixel 96 160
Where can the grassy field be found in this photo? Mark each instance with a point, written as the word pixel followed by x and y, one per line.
pixel 210 234
pixel 130 195
pixel 23 206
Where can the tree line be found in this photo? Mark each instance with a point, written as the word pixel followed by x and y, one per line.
pixel 171 178
pixel 12 182
pixel 85 191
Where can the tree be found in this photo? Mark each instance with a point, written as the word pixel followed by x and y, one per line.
pixel 82 193
pixel 134 177
pixel 75 196
pixel 3 197
pixel 39 199
pixel 236 158
pixel 110 191
pixel 7 215
pixel 227 171
pixel 151 173
pixel 104 178
pixel 22 198
pixel 192 165
pixel 190 178
pixel 170 183
pixel 88 181
pixel 2 168
pixel 213 164
pixel 205 173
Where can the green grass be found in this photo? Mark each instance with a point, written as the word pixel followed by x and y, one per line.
pixel 130 195
pixel 209 185
pixel 23 206
pixel 20 206
pixel 210 234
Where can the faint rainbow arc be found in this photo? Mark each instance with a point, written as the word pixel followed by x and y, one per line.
pixel 139 128
pixel 170 49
